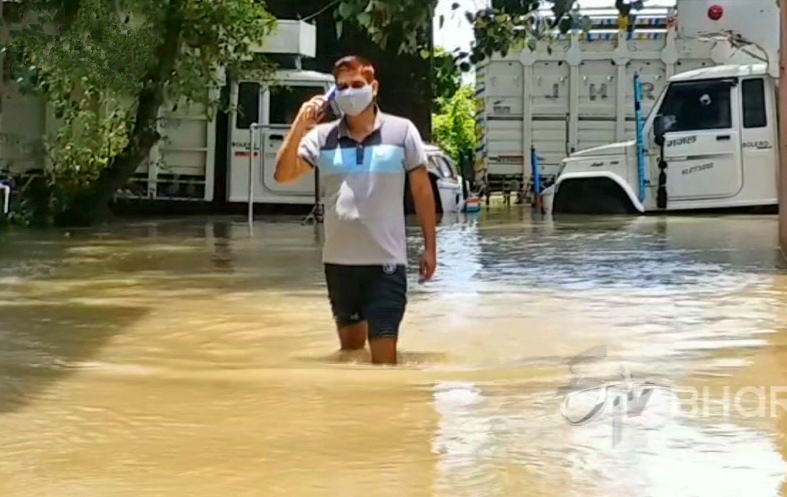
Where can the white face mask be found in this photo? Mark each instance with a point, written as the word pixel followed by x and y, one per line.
pixel 353 101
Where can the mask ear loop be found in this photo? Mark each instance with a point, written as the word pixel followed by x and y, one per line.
pixel 374 97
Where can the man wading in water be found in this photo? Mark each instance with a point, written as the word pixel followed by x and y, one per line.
pixel 363 159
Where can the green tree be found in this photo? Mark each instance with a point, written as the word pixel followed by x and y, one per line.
pixel 454 126
pixel 107 67
pixel 446 76
pixel 506 25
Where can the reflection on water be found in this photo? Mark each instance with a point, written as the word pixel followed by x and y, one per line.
pixel 190 357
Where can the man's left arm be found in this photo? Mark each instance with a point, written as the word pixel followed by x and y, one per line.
pixel 421 187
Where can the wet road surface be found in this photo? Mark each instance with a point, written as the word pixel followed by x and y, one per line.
pixel 191 357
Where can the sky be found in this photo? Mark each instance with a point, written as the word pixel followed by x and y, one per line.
pixel 456 31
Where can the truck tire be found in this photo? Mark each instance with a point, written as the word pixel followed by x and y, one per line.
pixel 591 196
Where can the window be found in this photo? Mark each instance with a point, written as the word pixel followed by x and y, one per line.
pixel 754 115
pixel 697 106
pixel 248 105
pixel 11 11
pixel 7 75
pixel 443 170
pixel 286 101
pixel 451 166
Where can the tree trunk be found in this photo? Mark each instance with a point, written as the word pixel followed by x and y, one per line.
pixel 144 134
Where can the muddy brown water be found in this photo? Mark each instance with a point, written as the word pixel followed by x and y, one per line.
pixel 194 357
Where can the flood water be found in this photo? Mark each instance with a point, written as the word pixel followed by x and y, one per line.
pixel 194 358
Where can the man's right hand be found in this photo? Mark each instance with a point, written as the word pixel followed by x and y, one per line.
pixel 311 113
pixel 289 166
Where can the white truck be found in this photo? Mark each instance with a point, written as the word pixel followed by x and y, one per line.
pixel 577 93
pixel 709 141
pixel 206 158
pixel 197 152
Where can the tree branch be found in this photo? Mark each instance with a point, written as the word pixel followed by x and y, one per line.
pixel 151 97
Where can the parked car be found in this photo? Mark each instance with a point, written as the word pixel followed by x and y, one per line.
pixel 448 186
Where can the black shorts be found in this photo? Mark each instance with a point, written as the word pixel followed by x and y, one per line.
pixel 375 294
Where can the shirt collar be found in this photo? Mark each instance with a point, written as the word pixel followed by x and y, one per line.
pixel 379 118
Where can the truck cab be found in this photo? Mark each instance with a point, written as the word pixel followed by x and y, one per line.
pixel 273 108
pixel 204 155
pixel 710 142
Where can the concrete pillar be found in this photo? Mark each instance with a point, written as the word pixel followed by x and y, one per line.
pixel 783 129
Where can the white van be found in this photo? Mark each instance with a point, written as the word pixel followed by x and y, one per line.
pixel 448 186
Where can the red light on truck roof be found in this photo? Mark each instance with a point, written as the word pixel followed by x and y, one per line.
pixel 715 12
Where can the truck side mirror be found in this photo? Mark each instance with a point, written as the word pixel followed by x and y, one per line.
pixel 659 128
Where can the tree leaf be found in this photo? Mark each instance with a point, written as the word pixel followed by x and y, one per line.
pixel 454 126
pixel 587 23
pixel 107 80
pixel 346 10
pixel 365 20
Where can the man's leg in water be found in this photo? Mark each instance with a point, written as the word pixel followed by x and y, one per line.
pixel 384 310
pixel 345 295
pixel 352 336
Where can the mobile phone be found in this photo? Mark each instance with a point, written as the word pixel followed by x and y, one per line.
pixel 331 110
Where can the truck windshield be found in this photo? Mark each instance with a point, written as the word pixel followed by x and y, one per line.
pixel 697 105
pixel 654 110
pixel 286 101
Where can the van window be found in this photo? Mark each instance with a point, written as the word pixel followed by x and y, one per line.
pixel 754 115
pixel 451 167
pixel 442 167
pixel 697 106
pixel 248 105
pixel 286 101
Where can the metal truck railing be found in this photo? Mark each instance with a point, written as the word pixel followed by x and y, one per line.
pixel 6 191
